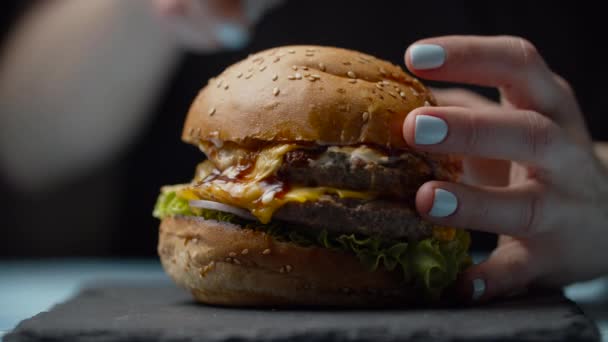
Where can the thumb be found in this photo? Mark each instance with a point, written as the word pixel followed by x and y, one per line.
pixel 509 269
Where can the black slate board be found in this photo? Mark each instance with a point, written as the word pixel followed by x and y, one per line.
pixel 115 313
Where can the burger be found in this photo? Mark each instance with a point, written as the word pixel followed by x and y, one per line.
pixel 306 194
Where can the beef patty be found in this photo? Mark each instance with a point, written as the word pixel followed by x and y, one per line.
pixel 382 218
pixel 396 177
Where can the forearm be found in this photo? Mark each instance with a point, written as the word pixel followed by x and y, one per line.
pixel 76 81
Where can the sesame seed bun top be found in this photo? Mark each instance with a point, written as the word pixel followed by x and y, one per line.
pixel 310 94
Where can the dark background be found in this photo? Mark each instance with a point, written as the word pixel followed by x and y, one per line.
pixel 117 200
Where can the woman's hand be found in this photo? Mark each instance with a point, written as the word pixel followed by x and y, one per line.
pixel 208 25
pixel 529 165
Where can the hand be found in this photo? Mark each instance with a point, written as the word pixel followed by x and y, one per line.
pixel 206 25
pixel 531 174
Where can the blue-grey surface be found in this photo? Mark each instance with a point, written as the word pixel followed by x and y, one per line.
pixel 27 288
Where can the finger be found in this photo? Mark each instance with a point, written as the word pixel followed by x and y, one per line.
pixel 510 63
pixel 516 211
pixel 461 97
pixel 508 270
pixel 490 133
pixel 170 7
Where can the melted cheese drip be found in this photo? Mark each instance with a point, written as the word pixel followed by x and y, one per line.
pixel 254 188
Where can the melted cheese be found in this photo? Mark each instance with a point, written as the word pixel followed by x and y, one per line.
pixel 252 186
pixel 363 153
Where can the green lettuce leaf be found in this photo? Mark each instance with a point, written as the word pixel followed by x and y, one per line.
pixel 168 203
pixel 430 265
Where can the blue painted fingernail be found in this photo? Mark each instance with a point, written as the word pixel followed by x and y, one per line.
pixel 429 130
pixel 427 56
pixel 444 203
pixel 232 35
pixel 479 288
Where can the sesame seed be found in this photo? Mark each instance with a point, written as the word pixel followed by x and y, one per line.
pixel 304 68
pixel 309 54
pixel 392 94
pixel 276 59
pixel 211 111
pixel 228 259
pixel 379 86
pixel 351 74
pixel 311 79
pixel 322 66
pixel 248 76
pixel 315 76
pixel 239 75
pixel 427 103
pixel 382 71
pixel 275 91
pixel 291 51
pixel 352 80
pixel 258 59
pixel 211 264
pixel 232 254
pixel 346 63
pixel 191 131
pixel 226 87
pixel 385 82
pixel 306 74
pixel 294 67
pixel 245 251
pixel 288 268
pixel 402 94
pixel 236 261
pixel 414 92
pixel 266 251
pixel 291 77
pixel 365 116
pixel 310 50
pixel 219 83
pixel 275 77
pixel 262 68
pixel 298 76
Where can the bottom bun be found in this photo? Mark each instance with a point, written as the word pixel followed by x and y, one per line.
pixel 224 264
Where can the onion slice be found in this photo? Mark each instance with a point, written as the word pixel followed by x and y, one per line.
pixel 242 213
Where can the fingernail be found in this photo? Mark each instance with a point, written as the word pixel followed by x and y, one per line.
pixel 444 203
pixel 232 35
pixel 427 56
pixel 429 130
pixel 479 288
